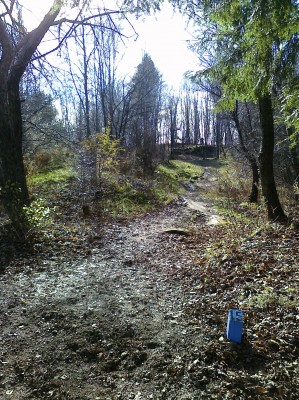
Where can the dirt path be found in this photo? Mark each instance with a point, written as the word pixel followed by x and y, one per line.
pixel 113 326
pixel 141 314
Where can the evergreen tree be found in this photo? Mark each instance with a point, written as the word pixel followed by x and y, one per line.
pixel 142 130
pixel 254 45
pixel 41 125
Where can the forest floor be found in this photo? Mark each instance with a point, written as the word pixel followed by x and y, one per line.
pixel 137 309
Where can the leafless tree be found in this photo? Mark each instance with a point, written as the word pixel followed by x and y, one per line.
pixel 18 48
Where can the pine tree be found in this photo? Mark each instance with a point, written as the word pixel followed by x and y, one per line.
pixel 142 131
pixel 253 44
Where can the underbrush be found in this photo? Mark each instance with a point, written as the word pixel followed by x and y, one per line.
pixel 45 169
pixel 46 161
pixel 77 190
pixel 126 196
pixel 232 185
pixel 175 172
pixel 231 191
pixel 253 259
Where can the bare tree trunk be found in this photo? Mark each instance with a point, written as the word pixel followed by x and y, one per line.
pixel 294 159
pixel 85 80
pixel 253 197
pixel 217 135
pixel 254 194
pixel 187 116
pixel 274 208
pixel 196 121
pixel 173 113
pixel 12 171
pixel 13 63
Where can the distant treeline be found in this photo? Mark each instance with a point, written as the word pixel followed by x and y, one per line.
pixel 204 151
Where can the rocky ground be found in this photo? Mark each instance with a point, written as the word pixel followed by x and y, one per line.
pixel 138 314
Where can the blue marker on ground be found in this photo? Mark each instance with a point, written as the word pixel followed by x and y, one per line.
pixel 234 325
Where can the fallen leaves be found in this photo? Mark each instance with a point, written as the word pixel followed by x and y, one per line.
pixel 128 312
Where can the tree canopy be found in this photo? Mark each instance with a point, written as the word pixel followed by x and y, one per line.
pixel 250 49
pixel 252 46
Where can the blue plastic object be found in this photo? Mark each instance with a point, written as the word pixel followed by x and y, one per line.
pixel 234 325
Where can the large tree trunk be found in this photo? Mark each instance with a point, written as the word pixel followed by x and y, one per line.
pixel 274 208
pixel 12 172
pixel 14 60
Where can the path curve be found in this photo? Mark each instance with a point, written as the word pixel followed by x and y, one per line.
pixel 113 326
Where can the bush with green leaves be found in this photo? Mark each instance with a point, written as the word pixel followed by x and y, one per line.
pixel 26 220
pixel 104 150
pixel 37 217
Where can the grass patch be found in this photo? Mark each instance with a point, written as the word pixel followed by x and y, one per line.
pixel 232 184
pixel 177 171
pixel 124 207
pixel 210 163
pixel 50 167
pixel 128 196
pixel 133 196
pixel 268 297
pixel 52 177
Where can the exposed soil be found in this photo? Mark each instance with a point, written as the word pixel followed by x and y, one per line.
pixel 123 320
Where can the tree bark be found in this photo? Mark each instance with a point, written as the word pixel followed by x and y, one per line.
pixel 15 58
pixel 253 197
pixel 12 171
pixel 254 194
pixel 173 109
pixel 294 158
pixel 274 208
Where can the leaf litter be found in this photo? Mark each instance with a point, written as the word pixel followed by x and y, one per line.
pixel 132 310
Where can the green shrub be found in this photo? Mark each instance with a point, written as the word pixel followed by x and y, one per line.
pixel 104 150
pixel 56 176
pixel 31 221
pixel 269 298
pixel 38 215
pixel 41 160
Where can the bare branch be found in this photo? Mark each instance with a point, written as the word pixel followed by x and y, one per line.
pixel 7 49
pixel 8 9
pixel 76 22
pixel 60 43
pixel 30 42
pixel 84 21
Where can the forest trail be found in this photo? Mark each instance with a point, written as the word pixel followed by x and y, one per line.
pixel 140 313
pixel 113 326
